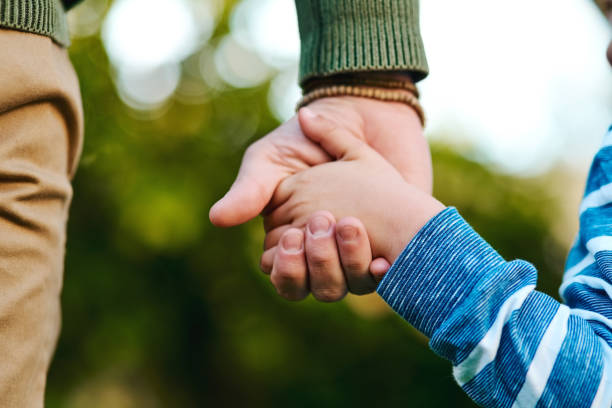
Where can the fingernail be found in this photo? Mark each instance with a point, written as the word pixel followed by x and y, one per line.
pixel 348 233
pixel 292 242
pixel 319 225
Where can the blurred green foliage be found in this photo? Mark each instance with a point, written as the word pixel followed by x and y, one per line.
pixel 163 310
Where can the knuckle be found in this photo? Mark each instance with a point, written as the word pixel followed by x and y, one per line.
pixel 328 294
pixel 355 267
pixel 286 276
pixel 288 286
pixel 351 249
pixel 321 253
pixel 320 261
pixel 301 208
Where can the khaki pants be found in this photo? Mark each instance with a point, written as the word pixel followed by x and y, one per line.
pixel 40 141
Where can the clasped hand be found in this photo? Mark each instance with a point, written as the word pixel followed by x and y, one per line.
pixel 362 162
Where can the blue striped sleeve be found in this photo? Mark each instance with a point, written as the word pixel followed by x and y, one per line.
pixel 510 345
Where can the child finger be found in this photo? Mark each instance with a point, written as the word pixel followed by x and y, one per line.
pixel 335 140
pixel 273 236
pixel 355 255
pixel 280 216
pixel 327 281
pixel 378 268
pixel 289 272
pixel 267 260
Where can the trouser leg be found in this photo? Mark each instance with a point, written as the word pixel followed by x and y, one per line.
pixel 40 141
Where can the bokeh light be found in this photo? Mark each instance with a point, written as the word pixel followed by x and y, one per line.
pixel 521 85
pixel 143 34
pixel 284 93
pixel 146 40
pixel 147 89
pixel 270 28
pixel 239 66
pixel 86 19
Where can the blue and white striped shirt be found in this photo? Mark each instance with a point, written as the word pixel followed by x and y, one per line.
pixel 510 345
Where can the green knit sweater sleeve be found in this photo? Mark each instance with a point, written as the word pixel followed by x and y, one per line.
pixel 340 36
pixel 46 17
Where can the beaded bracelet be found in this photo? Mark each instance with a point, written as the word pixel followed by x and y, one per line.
pixel 390 95
pixel 370 81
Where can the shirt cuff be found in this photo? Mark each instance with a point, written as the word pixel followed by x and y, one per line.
pixel 341 36
pixel 44 17
pixel 437 271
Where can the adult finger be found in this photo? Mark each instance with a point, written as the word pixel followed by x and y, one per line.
pixel 327 282
pixel 289 273
pixel 355 255
pixel 281 153
pixel 256 181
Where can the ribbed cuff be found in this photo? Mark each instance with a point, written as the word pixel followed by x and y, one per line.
pixel 45 17
pixel 437 271
pixel 340 36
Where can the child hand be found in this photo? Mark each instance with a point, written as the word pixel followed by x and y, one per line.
pixel 338 260
pixel 360 184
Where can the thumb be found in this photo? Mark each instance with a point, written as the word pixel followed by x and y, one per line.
pixel 254 186
pixel 335 140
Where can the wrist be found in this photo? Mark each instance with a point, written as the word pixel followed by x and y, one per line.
pixel 406 97
pixel 395 87
pixel 410 212
pixel 445 254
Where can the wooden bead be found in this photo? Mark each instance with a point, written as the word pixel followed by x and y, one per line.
pixel 401 94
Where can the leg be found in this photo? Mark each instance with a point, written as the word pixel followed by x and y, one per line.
pixel 40 141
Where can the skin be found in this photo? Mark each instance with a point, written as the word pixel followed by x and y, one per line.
pixel 392 129
pixel 392 213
